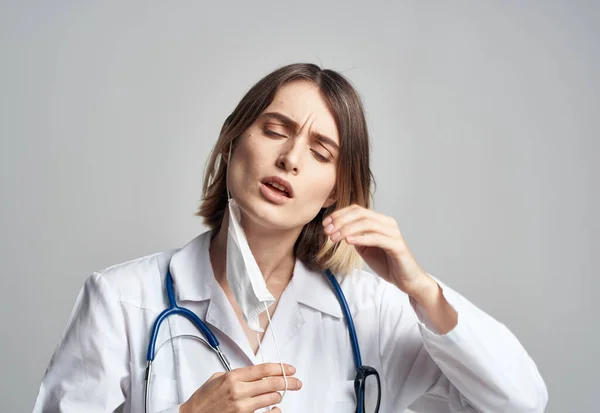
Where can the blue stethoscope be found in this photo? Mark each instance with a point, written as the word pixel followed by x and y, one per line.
pixel 362 372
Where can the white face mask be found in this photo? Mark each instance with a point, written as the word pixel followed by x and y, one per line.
pixel 243 274
pixel 246 280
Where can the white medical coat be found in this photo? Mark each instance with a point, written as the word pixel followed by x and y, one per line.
pixel 100 361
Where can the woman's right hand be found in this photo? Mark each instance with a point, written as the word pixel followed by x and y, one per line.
pixel 242 390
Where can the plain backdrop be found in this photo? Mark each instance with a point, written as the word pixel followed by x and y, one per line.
pixel 484 121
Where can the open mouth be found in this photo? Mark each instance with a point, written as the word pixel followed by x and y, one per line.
pixel 279 189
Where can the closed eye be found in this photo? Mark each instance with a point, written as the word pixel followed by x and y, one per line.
pixel 320 157
pixel 273 133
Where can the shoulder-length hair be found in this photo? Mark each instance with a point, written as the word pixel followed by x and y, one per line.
pixel 354 176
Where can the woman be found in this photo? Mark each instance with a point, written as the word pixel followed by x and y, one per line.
pixel 286 197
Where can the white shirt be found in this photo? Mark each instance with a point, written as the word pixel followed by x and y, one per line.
pixel 100 361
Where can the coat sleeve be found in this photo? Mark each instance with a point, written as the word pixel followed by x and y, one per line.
pixel 88 371
pixel 479 366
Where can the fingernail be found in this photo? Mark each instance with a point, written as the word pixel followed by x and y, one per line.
pixel 329 228
pixel 327 221
pixel 292 369
pixel 335 236
pixel 299 384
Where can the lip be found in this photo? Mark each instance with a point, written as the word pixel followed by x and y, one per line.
pixel 272 195
pixel 280 181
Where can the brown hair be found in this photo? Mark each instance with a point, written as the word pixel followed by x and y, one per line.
pixel 354 175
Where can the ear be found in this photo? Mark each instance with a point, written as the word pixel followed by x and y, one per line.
pixel 332 199
pixel 226 152
pixel 225 156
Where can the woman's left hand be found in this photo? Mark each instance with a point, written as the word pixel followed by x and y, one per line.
pixel 379 242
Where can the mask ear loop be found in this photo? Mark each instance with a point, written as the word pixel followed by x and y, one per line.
pixel 262 356
pixel 227 171
pixel 278 354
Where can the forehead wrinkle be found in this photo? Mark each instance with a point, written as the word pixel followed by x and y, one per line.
pixel 283 103
pixel 289 120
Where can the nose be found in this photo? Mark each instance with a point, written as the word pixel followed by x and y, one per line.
pixel 291 154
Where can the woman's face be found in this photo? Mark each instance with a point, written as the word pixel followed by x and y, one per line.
pixel 293 145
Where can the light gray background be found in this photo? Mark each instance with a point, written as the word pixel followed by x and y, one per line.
pixel 484 118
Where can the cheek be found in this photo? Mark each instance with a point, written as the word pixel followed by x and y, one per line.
pixel 253 151
pixel 247 156
pixel 321 186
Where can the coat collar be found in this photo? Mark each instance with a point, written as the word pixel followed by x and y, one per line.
pixel 192 270
pixel 194 279
pixel 313 290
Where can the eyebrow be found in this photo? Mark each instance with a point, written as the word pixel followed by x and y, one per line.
pixel 288 122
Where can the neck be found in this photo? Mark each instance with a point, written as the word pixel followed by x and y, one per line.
pixel 273 251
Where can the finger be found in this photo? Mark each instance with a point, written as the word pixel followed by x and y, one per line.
pixel 263 400
pixel 379 217
pixel 253 373
pixel 372 239
pixel 364 225
pixel 346 215
pixel 270 385
pixel 338 212
pixel 340 217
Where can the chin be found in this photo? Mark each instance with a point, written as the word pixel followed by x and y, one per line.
pixel 269 216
